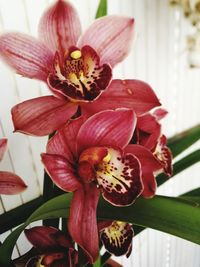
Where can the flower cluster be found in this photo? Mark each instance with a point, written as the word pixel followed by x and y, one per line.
pixel 108 136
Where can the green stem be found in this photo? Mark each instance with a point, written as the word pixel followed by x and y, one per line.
pixel 102 9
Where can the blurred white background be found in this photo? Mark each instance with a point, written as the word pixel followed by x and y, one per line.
pixel 159 57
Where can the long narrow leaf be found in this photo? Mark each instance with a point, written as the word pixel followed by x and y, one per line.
pixel 183 140
pixel 171 215
pixel 102 9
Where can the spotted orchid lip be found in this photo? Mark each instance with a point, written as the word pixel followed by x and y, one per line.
pixel 118 175
pixel 79 76
pixel 117 238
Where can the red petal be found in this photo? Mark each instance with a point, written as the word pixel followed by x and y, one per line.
pixel 112 43
pixel 133 94
pixel 120 178
pixel 26 55
pixel 61 172
pixel 107 128
pixel 146 158
pixel 60 27
pixel 164 155
pixel 82 220
pixel 149 165
pixel 63 143
pixel 149 131
pixel 41 116
pixel 160 113
pixel 3 146
pixel 11 184
pixel 113 263
pixel 150 185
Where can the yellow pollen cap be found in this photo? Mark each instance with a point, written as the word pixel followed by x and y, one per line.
pixel 75 54
pixel 107 158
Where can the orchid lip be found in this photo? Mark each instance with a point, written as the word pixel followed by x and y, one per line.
pixel 79 75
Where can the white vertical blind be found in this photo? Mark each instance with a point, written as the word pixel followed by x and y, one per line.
pixel 158 57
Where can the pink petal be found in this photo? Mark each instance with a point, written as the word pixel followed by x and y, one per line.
pixel 133 94
pixel 149 131
pixel 149 165
pixel 42 115
pixel 146 158
pixel 160 113
pixel 61 172
pixel 111 37
pixel 107 128
pixel 82 220
pixel 64 141
pixel 60 27
pixel 150 185
pixel 11 184
pixel 26 55
pixel 3 146
pixel 44 237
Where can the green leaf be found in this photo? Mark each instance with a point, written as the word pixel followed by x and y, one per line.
pixel 102 9
pixel 182 141
pixel 175 216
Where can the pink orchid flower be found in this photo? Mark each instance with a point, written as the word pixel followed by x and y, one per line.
pixel 148 133
pixel 76 68
pixel 52 248
pixel 93 156
pixel 10 183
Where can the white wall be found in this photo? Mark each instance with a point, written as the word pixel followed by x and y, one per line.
pixel 158 57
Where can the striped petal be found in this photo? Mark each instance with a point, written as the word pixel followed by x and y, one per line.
pixel 41 116
pixel 3 146
pixel 119 177
pixel 111 37
pixel 133 94
pixel 63 143
pixel 59 27
pixel 11 184
pixel 61 172
pixel 82 222
pixel 107 128
pixel 117 238
pixel 26 55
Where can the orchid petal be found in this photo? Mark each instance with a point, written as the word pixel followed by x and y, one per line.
pixel 111 263
pixel 160 113
pixel 3 146
pixel 150 185
pixel 111 37
pixel 119 178
pixel 149 165
pixel 26 55
pixel 164 155
pixel 11 184
pixel 146 158
pixel 82 220
pixel 107 128
pixel 63 143
pixel 149 131
pixel 117 238
pixel 133 94
pixel 59 27
pixel 43 237
pixel 41 116
pixel 61 172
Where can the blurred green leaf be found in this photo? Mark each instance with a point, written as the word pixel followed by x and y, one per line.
pixel 175 216
pixel 183 140
pixel 102 9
